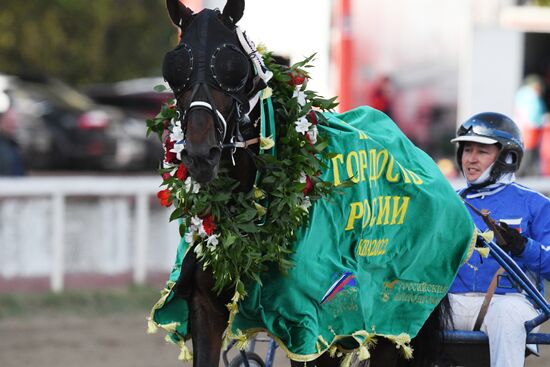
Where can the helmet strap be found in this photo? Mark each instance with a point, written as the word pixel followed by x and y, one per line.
pixel 485 178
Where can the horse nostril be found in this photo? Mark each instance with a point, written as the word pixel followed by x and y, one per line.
pixel 214 154
pixel 186 157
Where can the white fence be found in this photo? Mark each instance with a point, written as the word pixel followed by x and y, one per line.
pixel 52 226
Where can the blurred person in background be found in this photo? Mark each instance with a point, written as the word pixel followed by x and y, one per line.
pixel 447 167
pixel 11 161
pixel 382 95
pixel 489 153
pixel 530 113
pixel 545 150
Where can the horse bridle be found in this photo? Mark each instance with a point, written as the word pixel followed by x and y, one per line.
pixel 213 55
pixel 236 139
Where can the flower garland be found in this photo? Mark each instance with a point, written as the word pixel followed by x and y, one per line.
pixel 239 235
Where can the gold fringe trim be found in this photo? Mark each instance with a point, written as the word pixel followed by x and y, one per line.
pixel 322 340
pixel 346 362
pixel 402 341
pixel 152 328
pixel 366 340
pixel 171 327
pixel 241 340
pixel 488 236
pixel 472 246
pixel 483 251
pixel 185 354
pixel 363 353
pixel 233 308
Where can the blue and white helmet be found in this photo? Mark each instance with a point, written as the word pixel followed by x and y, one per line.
pixel 492 128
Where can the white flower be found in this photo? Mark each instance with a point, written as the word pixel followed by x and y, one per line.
pixel 196 187
pixel 303 177
pixel 191 186
pixel 312 134
pixel 302 125
pixel 196 222
pixel 300 96
pixel 199 250
pixel 202 232
pixel 177 133
pixel 197 227
pixel 178 148
pixel 190 237
pixel 306 203
pixel 212 242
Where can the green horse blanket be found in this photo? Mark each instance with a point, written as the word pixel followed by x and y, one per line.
pixel 374 260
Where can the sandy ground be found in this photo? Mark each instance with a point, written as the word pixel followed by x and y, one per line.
pixel 108 341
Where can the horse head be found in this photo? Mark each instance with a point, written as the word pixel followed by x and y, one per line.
pixel 212 77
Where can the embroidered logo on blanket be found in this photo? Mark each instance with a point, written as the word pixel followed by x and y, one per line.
pixel 345 280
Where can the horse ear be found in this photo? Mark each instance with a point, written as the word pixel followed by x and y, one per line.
pixel 233 10
pixel 179 13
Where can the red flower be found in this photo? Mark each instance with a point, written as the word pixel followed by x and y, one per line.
pixel 165 197
pixel 208 224
pixel 309 186
pixel 166 176
pixel 296 78
pixel 169 156
pixel 312 117
pixel 181 173
pixel 308 139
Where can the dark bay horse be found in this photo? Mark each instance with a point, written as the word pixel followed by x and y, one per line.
pixel 214 83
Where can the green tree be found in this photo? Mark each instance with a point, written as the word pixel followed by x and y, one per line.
pixel 84 41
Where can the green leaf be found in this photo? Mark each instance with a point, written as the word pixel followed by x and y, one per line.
pixel 229 240
pixel 247 215
pixel 248 227
pixel 177 213
pixel 322 145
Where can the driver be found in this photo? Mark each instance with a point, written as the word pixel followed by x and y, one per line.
pixel 489 153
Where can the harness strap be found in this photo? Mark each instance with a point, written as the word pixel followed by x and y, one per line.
pixel 209 106
pixel 243 144
pixel 487 300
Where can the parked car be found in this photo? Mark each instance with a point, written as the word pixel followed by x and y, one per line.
pixel 135 95
pixel 62 128
pixel 137 98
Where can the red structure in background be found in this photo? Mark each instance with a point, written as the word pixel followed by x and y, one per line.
pixel 545 151
pixel 343 53
pixel 195 5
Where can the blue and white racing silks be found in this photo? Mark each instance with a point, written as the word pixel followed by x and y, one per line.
pixel 523 209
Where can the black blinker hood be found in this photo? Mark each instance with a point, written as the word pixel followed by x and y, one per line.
pixel 201 39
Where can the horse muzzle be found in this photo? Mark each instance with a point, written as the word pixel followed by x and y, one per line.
pixel 202 166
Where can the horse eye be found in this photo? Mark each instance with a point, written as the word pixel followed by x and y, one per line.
pixel 177 67
pixel 230 67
